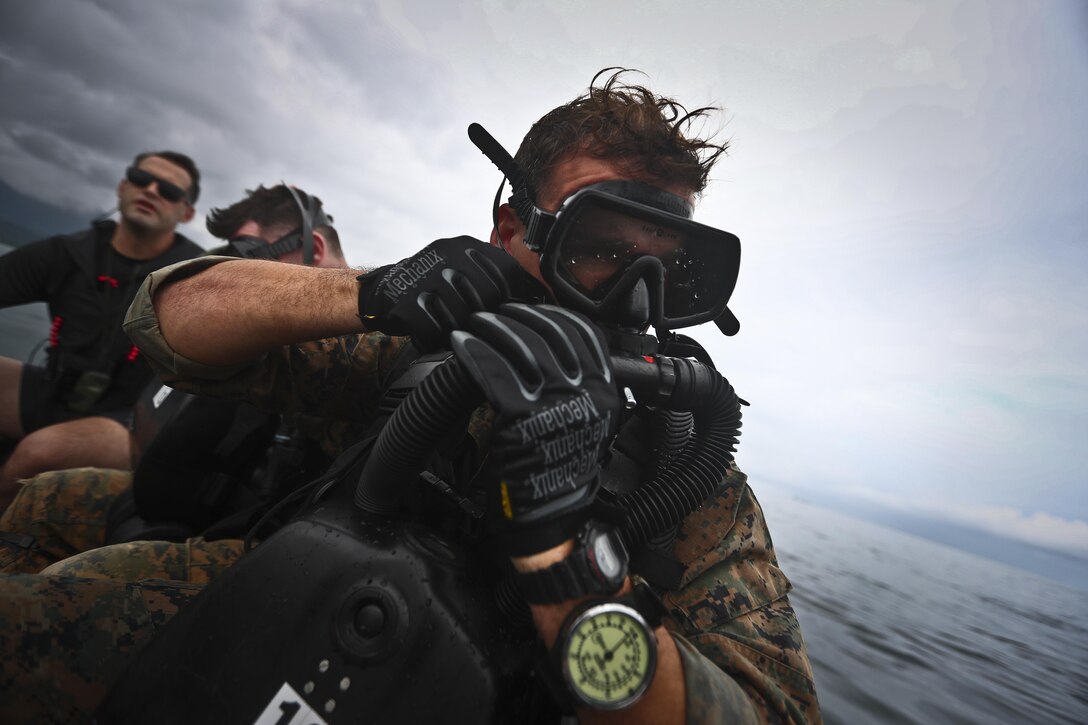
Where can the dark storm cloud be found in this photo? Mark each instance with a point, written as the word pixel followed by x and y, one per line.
pixel 90 85
pixel 236 85
pixel 357 41
pixel 126 53
pixel 60 104
pixel 45 146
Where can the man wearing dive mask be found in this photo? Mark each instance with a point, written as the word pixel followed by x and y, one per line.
pixel 619 255
pixel 620 249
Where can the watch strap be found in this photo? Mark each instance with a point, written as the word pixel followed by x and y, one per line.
pixel 567 579
pixel 549 676
pixel 645 601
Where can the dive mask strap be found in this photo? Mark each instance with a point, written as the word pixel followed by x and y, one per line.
pixel 287 243
pixel 250 247
pixel 313 216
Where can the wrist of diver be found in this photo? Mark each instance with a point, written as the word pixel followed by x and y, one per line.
pixel 543 559
pixel 548 618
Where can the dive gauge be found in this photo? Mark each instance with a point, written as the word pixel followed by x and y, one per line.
pixel 608 656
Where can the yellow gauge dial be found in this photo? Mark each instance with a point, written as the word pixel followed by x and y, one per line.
pixel 609 656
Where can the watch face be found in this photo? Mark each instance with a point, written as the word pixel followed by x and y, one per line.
pixel 609 656
pixel 608 560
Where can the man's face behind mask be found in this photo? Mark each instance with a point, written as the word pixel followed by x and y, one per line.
pixel 604 242
pixel 612 231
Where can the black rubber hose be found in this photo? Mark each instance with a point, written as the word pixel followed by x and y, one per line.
pixel 672 431
pixel 404 446
pixel 441 399
pixel 679 490
pixel 672 435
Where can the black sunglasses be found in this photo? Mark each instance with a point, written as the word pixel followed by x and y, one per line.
pixel 143 179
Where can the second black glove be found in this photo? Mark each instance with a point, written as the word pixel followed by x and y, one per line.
pixel 547 372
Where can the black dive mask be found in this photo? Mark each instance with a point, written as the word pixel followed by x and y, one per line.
pixel 313 216
pixel 626 251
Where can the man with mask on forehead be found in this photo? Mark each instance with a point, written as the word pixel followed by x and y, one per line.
pixel 714 639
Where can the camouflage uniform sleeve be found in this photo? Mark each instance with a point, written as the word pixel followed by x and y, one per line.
pixel 731 615
pixel 335 378
pixel 142 325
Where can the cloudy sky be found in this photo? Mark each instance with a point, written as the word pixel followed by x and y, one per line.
pixel 909 181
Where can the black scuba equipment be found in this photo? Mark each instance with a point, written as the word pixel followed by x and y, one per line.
pixel 313 216
pixel 203 462
pixel 609 238
pixel 402 449
pixel 357 611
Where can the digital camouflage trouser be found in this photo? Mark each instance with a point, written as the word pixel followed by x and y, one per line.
pixel 57 524
pixel 64 641
pixel 58 514
pixel 67 633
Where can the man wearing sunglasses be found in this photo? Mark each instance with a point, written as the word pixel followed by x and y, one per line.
pixel 732 650
pixel 74 411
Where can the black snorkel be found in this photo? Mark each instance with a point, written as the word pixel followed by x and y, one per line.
pixel 522 197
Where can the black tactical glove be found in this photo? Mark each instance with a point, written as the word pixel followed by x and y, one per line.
pixel 547 373
pixel 432 293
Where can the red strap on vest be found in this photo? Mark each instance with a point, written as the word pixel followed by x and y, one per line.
pixel 54 331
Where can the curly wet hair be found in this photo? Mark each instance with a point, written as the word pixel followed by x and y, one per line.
pixel 624 123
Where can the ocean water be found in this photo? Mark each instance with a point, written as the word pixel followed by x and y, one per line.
pixel 22 330
pixel 905 630
pixel 900 629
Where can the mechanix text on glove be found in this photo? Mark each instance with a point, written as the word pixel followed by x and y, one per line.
pixel 566 437
pixel 546 371
pixel 433 292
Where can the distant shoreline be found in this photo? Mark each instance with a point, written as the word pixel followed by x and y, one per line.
pixel 1057 565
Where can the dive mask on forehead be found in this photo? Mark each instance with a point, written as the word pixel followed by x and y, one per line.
pixel 313 216
pixel 617 245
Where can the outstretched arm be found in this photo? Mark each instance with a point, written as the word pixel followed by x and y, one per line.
pixel 233 312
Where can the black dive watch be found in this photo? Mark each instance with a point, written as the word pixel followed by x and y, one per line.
pixel 598 565
pixel 606 651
